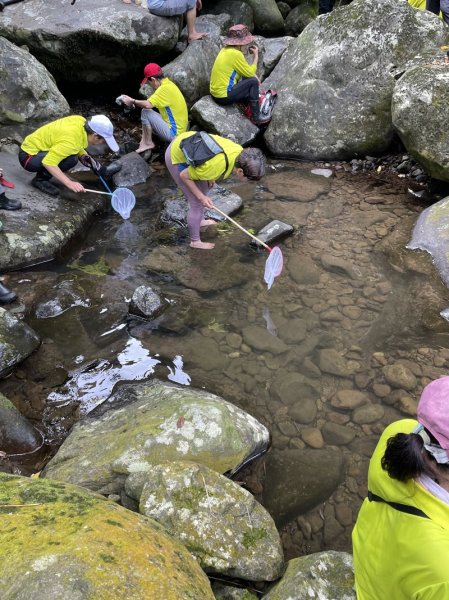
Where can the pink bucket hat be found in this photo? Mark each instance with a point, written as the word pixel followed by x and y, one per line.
pixel 238 35
pixel 433 410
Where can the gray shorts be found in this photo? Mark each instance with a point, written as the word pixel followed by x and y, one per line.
pixel 159 126
pixel 171 8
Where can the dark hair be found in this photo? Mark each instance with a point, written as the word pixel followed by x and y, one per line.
pixel 90 131
pixel 158 77
pixel 252 162
pixel 403 457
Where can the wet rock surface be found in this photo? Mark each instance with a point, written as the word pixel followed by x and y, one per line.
pixel 17 341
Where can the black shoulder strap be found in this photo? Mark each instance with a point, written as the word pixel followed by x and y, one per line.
pixel 411 510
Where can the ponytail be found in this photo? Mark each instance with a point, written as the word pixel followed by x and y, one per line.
pixel 403 458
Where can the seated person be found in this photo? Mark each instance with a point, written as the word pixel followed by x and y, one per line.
pixel 232 78
pixel 172 8
pixel 168 99
pixel 55 148
pixel 401 537
pixel 195 182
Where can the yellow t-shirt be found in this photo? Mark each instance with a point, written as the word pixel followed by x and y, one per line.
pixel 60 139
pixel 168 99
pixel 229 66
pixel 214 168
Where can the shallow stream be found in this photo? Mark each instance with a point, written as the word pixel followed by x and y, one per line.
pixel 331 323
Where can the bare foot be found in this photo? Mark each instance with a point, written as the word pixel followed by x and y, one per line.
pixel 207 222
pixel 126 1
pixel 196 36
pixel 202 245
pixel 144 147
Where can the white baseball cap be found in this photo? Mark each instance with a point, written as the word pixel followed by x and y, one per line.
pixel 103 127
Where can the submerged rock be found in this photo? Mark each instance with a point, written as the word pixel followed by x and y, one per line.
pixel 83 546
pixel 154 422
pixel 336 89
pixel 292 487
pixel 27 89
pixel 324 575
pixel 16 433
pixel 17 341
pixel 272 232
pixel 219 522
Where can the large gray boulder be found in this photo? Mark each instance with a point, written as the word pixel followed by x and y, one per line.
pixel 327 575
pixel 238 10
pixel 30 236
pixel 267 16
pixel 91 42
pixel 227 121
pixel 336 88
pixel 415 117
pixel 219 522
pixel 83 546
pixel 17 341
pixel 149 423
pixel 27 90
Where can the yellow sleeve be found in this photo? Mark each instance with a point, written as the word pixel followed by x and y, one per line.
pixel 159 99
pixel 242 67
pixel 433 592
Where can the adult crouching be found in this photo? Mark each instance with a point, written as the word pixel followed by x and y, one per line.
pixel 56 147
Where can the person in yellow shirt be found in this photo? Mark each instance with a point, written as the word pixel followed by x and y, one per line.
pixel 401 537
pixel 172 118
pixel 232 78
pixel 195 182
pixel 56 147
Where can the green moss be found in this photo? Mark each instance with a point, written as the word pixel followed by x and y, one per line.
pixel 107 558
pixel 100 268
pixel 115 523
pixel 250 538
pixel 189 498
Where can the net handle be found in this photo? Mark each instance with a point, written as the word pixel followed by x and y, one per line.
pixel 98 192
pixel 242 228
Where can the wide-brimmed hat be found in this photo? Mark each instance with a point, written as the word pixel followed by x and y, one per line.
pixel 238 35
pixel 433 410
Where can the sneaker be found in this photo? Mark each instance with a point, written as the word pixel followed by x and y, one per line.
pixel 110 170
pixel 45 186
pixel 8 204
pixel 6 295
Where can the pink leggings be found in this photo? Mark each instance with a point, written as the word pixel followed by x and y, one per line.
pixel 196 209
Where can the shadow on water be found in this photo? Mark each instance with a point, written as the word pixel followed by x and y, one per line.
pixel 273 353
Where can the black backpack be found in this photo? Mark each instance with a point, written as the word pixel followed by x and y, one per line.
pixel 199 148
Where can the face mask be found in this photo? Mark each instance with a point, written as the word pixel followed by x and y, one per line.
pixel 438 453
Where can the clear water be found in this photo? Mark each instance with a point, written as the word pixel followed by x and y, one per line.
pixel 224 331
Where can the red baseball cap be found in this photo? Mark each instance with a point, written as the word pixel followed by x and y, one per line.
pixel 151 70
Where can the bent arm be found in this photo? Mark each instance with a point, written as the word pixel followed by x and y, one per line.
pixel 128 101
pixel 56 172
pixel 191 185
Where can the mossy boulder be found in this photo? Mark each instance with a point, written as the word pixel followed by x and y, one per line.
pixel 336 79
pixel 152 422
pixel 421 96
pixel 62 542
pixel 219 522
pixel 322 575
pixel 17 341
pixel 27 90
